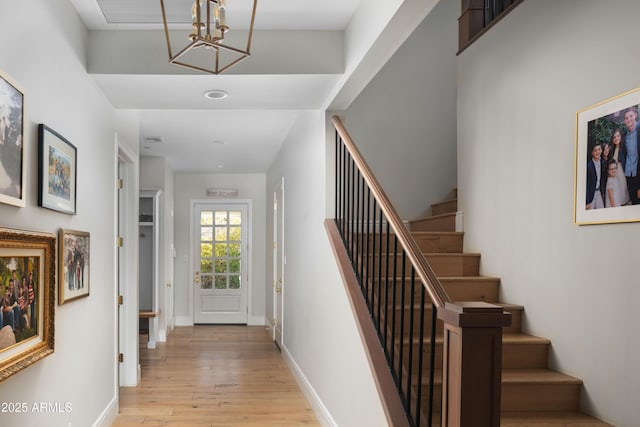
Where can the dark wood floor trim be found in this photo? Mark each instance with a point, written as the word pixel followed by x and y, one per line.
pixel 381 373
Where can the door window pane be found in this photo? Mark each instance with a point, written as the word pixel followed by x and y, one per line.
pixel 221 249
pixel 221 266
pixel 234 250
pixel 206 218
pixel 206 250
pixel 221 218
pixel 206 234
pixel 235 233
pixel 206 266
pixel 221 234
pixel 234 266
pixel 234 282
pixel 207 282
pixel 235 217
pixel 221 281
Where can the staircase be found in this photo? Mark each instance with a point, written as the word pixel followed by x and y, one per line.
pixel 532 394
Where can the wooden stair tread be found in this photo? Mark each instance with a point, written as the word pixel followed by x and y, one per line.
pixel 522 377
pixel 520 339
pixel 544 419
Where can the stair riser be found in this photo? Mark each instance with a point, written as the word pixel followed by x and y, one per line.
pixel 448 265
pixel 431 243
pixel 540 397
pixel 459 290
pixel 444 207
pixel 439 223
pixel 526 397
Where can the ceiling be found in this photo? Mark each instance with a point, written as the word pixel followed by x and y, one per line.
pixel 295 65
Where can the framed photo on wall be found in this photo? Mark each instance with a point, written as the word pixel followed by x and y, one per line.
pixel 12 171
pixel 607 161
pixel 57 171
pixel 27 282
pixel 74 265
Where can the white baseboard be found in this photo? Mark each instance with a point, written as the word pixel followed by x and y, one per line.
pixel 108 416
pixel 256 321
pixel 321 411
pixel 184 321
pixel 188 321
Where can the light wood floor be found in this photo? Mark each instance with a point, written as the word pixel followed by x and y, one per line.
pixel 214 376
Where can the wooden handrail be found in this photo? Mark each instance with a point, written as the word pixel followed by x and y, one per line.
pixel 430 281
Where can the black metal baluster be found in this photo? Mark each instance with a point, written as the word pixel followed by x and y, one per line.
pixel 412 288
pixel 393 306
pixel 386 281
pixel 402 300
pixel 420 361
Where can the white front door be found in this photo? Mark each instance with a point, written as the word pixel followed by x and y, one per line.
pixel 220 267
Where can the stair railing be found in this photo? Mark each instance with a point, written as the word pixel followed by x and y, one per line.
pixel 394 277
pixel 404 299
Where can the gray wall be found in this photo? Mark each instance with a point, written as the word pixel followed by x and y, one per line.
pixel 321 340
pixel 519 89
pixel 404 121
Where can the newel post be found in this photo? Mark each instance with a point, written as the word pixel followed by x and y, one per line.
pixel 471 383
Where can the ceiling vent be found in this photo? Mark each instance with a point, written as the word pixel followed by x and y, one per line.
pixel 153 140
pixel 222 192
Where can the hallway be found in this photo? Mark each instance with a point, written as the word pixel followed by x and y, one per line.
pixel 214 376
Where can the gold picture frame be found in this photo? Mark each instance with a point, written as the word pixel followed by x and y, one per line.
pixel 602 192
pixel 27 266
pixel 73 265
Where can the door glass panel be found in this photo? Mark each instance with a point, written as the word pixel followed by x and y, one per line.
pixel 235 217
pixel 206 250
pixel 206 218
pixel 221 218
pixel 234 266
pixel 234 249
pixel 221 266
pixel 221 234
pixel 206 266
pixel 220 249
pixel 234 282
pixel 207 282
pixel 206 234
pixel 221 281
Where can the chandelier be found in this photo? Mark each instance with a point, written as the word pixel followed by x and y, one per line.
pixel 209 48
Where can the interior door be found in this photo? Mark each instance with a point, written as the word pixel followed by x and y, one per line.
pixel 278 268
pixel 220 267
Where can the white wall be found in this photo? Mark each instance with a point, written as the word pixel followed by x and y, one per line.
pixel 520 87
pixel 193 186
pixel 404 121
pixel 43 50
pixel 321 339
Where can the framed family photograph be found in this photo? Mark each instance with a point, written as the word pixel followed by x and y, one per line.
pixel 12 171
pixel 27 282
pixel 57 171
pixel 607 161
pixel 74 265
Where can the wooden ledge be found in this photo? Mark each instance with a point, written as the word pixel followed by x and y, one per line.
pixel 147 314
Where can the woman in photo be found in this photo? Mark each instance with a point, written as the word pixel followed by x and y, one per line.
pixel 616 144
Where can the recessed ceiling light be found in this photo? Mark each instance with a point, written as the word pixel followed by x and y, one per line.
pixel 220 166
pixel 215 94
